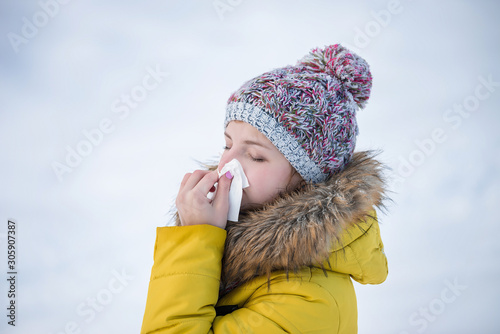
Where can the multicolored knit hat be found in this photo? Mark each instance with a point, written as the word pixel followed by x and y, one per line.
pixel 308 111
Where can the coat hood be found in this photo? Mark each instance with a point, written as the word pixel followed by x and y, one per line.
pixel 322 225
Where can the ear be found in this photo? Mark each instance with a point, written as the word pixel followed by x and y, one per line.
pixel 295 181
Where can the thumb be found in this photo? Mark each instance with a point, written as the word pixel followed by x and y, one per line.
pixel 221 200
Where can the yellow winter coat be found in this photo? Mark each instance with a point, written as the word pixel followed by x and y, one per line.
pixel 292 272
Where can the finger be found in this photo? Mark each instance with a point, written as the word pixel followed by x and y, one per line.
pixel 183 184
pixel 221 200
pixel 184 180
pixel 207 182
pixel 195 178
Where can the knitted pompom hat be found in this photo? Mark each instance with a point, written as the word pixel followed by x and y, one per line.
pixel 308 111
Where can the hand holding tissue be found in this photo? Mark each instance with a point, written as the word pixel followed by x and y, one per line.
pixel 238 183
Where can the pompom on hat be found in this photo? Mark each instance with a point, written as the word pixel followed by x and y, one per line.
pixel 308 111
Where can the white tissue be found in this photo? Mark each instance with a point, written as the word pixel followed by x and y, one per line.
pixel 238 183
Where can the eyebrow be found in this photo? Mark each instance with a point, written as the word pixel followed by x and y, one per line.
pixel 249 142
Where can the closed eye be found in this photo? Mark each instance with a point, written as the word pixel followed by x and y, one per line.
pixel 257 159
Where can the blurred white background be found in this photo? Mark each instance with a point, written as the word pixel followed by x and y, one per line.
pixel 74 70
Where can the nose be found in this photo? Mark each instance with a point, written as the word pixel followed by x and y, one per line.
pixel 227 156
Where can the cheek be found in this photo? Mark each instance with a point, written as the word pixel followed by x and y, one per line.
pixel 265 184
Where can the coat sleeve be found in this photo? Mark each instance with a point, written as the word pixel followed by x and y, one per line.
pixel 185 278
pixel 184 288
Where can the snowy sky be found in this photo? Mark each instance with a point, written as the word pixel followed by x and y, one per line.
pixel 85 231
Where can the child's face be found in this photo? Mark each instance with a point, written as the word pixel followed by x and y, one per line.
pixel 268 171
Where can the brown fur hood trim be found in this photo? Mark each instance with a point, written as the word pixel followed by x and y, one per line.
pixel 301 228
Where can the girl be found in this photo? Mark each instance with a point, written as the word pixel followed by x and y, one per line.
pixel 307 223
